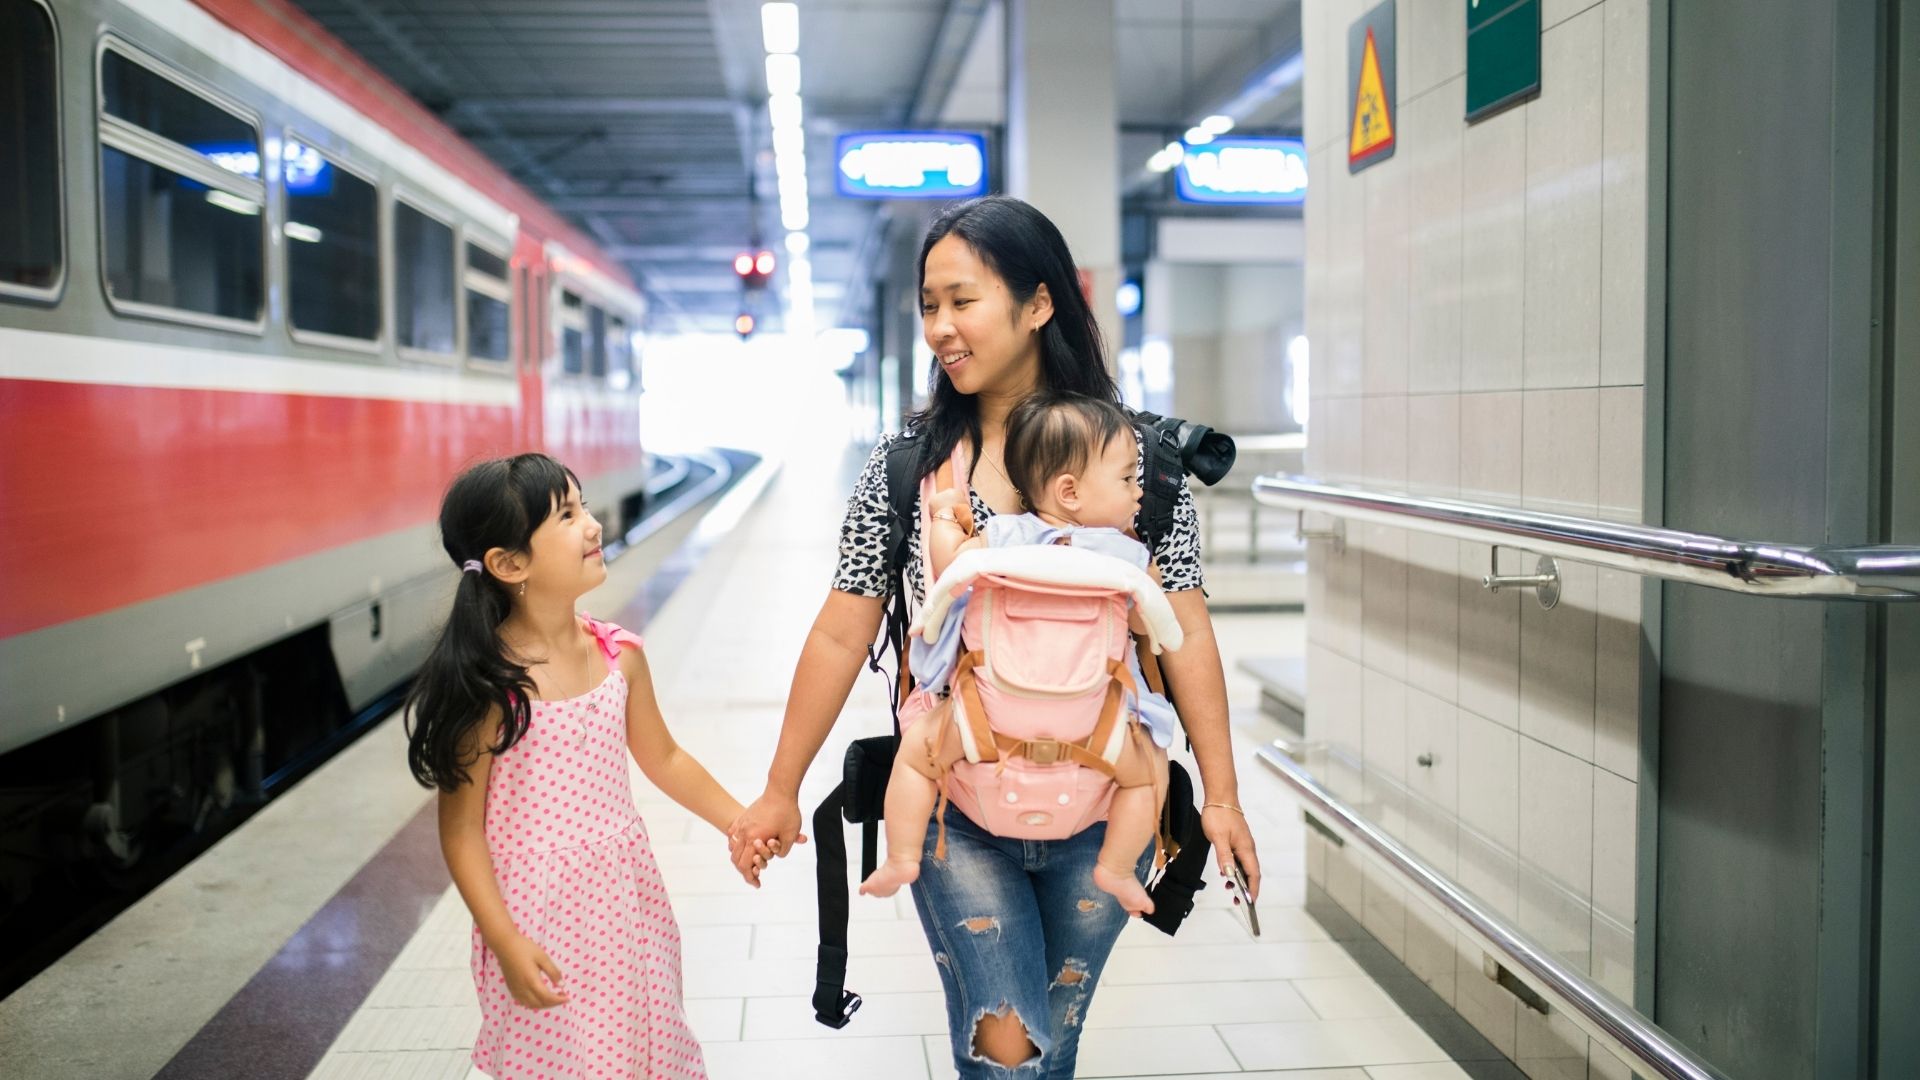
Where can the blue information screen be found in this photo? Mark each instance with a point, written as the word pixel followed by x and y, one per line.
pixel 910 165
pixel 1244 171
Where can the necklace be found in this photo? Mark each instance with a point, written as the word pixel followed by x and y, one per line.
pixel 998 469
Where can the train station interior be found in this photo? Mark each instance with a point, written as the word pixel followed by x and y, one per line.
pixel 1522 536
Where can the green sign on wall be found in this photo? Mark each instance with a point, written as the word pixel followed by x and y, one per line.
pixel 1503 54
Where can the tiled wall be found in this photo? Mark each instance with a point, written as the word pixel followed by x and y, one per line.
pixel 1478 317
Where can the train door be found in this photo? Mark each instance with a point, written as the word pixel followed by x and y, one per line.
pixel 532 291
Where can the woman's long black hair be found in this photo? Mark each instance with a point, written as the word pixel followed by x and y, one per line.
pixel 1026 250
pixel 495 504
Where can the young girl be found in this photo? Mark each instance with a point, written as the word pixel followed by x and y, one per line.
pixel 1072 459
pixel 523 717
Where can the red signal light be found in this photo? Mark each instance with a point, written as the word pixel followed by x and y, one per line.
pixel 743 325
pixel 743 264
pixel 764 264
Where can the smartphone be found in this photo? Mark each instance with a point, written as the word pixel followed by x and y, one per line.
pixel 1243 907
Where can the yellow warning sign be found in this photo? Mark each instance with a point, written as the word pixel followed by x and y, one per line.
pixel 1372 116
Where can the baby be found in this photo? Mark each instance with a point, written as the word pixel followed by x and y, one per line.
pixel 1074 461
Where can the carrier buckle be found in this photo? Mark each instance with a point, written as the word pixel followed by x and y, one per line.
pixel 1044 751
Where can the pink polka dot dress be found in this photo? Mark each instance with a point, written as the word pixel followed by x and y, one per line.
pixel 571 856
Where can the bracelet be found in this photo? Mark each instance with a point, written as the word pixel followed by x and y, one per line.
pixel 1225 806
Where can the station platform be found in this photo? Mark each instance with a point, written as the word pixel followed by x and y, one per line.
pixel 324 939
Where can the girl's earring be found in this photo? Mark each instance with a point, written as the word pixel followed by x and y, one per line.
pixel 523 588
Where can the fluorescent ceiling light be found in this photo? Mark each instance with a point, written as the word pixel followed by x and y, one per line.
pixel 789 142
pixel 1198 136
pixel 793 217
pixel 297 230
pixel 785 165
pixel 234 203
pixel 783 73
pixel 1217 124
pixel 798 243
pixel 785 111
pixel 780 27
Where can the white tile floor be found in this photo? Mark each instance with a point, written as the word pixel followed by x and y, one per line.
pixel 1211 1003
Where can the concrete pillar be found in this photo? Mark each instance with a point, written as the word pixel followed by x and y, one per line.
pixel 1063 134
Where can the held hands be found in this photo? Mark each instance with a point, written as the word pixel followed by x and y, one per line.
pixel 532 977
pixel 766 830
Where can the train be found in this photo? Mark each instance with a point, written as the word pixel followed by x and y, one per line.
pixel 257 307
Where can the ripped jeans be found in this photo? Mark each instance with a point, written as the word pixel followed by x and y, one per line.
pixel 1018 925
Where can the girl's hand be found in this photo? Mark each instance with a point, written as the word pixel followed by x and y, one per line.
pixel 773 821
pixel 750 857
pixel 532 977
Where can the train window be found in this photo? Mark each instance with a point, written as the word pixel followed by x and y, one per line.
pixel 619 354
pixel 596 342
pixel 486 262
pixel 31 259
pixel 573 334
pixel 180 199
pixel 489 327
pixel 423 310
pixel 333 247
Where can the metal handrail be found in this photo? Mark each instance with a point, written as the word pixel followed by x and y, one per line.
pixel 1871 572
pixel 1607 1019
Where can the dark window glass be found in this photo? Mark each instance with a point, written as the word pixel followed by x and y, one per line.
pixel 619 354
pixel 333 248
pixel 30 225
pixel 175 242
pixel 164 107
pixel 487 327
pixel 479 258
pixel 572 340
pixel 423 273
pixel 596 342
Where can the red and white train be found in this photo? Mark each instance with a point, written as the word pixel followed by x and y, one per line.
pixel 256 308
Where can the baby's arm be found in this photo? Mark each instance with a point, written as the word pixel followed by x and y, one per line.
pixel 672 769
pixel 1134 620
pixel 463 841
pixel 951 514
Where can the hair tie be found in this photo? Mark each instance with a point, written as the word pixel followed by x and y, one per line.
pixel 472 566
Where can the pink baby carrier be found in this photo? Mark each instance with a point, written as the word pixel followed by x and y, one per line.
pixel 1041 693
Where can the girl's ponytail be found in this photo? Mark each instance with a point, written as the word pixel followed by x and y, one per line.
pixel 470 675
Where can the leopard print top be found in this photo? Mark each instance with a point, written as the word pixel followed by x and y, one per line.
pixel 863 536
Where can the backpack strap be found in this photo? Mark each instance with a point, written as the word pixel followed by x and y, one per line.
pixel 833 1003
pixel 1174 448
pixel 903 487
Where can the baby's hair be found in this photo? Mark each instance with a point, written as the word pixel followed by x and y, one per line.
pixel 1051 433
pixel 470 674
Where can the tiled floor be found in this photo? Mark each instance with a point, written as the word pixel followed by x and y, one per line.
pixel 1211 1003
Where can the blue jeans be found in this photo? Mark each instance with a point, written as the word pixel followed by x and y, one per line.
pixel 1018 926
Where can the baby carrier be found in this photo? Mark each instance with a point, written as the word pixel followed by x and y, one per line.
pixel 1173 448
pixel 1040 697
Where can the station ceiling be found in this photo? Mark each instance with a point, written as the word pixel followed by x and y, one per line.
pixel 645 121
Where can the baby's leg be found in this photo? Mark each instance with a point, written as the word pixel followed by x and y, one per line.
pixel 1132 819
pixel 910 801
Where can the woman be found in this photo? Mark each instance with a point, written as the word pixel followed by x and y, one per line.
pixel 1019 931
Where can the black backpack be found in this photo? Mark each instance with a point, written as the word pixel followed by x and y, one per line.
pixel 1173 448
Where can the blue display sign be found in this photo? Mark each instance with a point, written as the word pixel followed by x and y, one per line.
pixel 910 165
pixel 1243 171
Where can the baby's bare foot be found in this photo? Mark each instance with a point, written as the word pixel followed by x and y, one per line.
pixel 1124 887
pixel 889 876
